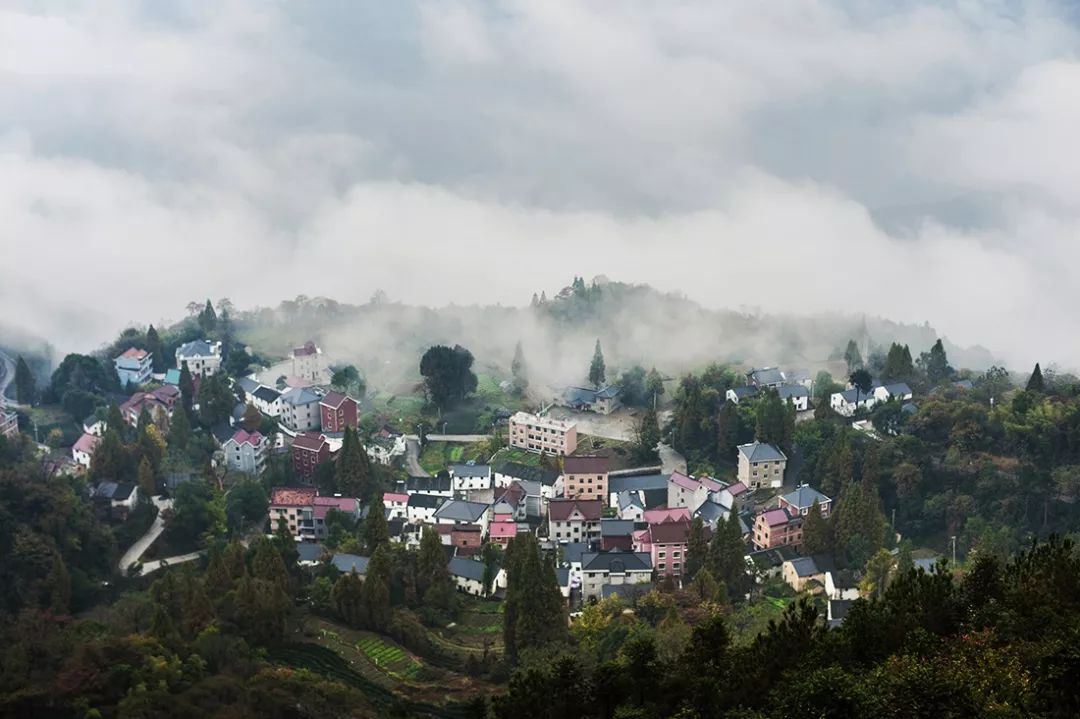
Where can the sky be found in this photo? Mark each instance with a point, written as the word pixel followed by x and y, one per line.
pixel 912 160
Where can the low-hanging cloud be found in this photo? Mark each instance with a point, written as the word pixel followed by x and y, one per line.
pixel 913 161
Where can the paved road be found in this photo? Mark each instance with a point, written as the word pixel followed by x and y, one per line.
pixel 168 562
pixel 412 458
pixel 7 375
pixel 459 438
pixel 136 550
pixel 671 460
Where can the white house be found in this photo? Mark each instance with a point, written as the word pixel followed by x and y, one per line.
pixel 630 505
pixel 761 465
pixel 134 366
pixel 397 505
pixel 300 409
pixel 574 520
pixel 738 394
pixel 839 586
pixel 420 508
pixel 765 377
pixel 459 511
pixel 120 497
pixel 468 575
pixel 203 358
pixel 93 425
pixel 617 568
pixel 503 475
pixel 308 361
pixel 896 390
pixel 440 486
pixel 246 452
pixel 797 394
pixel 83 449
pixel 267 400
pixel 472 480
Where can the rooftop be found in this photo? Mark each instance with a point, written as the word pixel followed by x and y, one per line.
pixel 560 510
pixel 776 517
pixel 350 562
pixel 87 443
pixel 669 532
pixel 198 348
pixel 466 568
pixel 547 477
pixel 252 438
pixel 470 469
pixel 804 496
pixel 334 399
pixel 804 567
pixel 638 482
pixel 309 441
pixel 460 510
pixel 134 353
pixel 266 394
pixel 586 464
pixel 682 480
pixel 617 562
pixel 292 496
pixel 761 452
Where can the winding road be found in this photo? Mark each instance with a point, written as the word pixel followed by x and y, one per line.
pixel 7 376
pixel 136 550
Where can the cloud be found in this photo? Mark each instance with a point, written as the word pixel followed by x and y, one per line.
pixel 910 161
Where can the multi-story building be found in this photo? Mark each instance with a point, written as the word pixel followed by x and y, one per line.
pixel 308 362
pixel 267 400
pixel 338 412
pixel 83 449
pixel 134 366
pixel 246 452
pixel 761 465
pixel 777 528
pixel 300 409
pixel 612 568
pixel 541 434
pixel 472 481
pixel 304 511
pixel 574 520
pixel 799 502
pixel 158 403
pixel 203 358
pixel 586 477
pixel 666 545
pixel 309 450
pixel 9 423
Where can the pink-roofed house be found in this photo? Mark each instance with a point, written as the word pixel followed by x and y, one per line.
pixel 338 411
pixel 661 515
pixel 246 452
pixel 501 532
pixel 83 449
pixel 777 528
pixel 681 490
pixel 134 366
pixel 321 506
pixel 309 450
pixel 396 504
pixel 666 543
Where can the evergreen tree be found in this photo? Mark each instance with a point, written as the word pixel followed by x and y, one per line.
pixel 654 386
pixel 144 420
pixel 538 613
pixel 25 386
pixel 898 364
pixel 771 420
pixel 705 587
pixel 216 400
pixel 861 380
pixel 208 318
pixel 448 375
pixel 859 523
pixel 180 431
pixel 728 430
pixel 348 595
pixel 647 437
pixel 196 611
pixel 267 565
pixel 352 471
pixel 597 369
pixel 234 560
pixel 817 534
pixel 114 420
pixel 187 388
pixel 377 588
pixel 218 578
pixel 376 532
pixel 431 566
pixel 852 357
pixel 111 461
pixel 519 369
pixel 157 352
pixel 904 562
pixel 936 364
pixel 726 558
pixel 697 549
pixel 252 419
pixel 146 478
pixel 59 586
pixel 1034 384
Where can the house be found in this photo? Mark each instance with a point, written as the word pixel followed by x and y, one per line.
pixel 541 434
pixel 585 399
pixel 574 520
pixel 761 465
pixel 308 450
pixel 510 502
pixel 83 449
pixel 586 477
pixel 849 401
pixel 308 362
pixel 115 499
pixel 799 572
pixel 267 400
pixel 472 481
pixel 246 452
pixel 158 404
pixel 565 580
pixel 385 445
pixel 570 557
pixel 440 485
pixel 799 502
pixel 346 563
pixel 246 384
pixel 770 562
pixel 776 527
pixel 321 506
pixel 459 511
pixel 765 377
pixel 738 394
pixel 396 504
pixel 660 515
pixel 304 511
pixel 540 481
pixel 338 412
pixel 628 593
pixel 665 544
pixel 300 409
pixel 172 377
pixel 837 612
pixel 650 488
pixel 630 506
pixel 9 423
pixel 95 426
pixel 896 390
pixel 468 575
pixel 502 531
pixel 614 568
pixel 616 534
pixel 420 508
pixel 466 539
pixel 797 394
pixel 134 366
pixel 203 358
pixel 682 491
pixel 309 554
pixel 841 585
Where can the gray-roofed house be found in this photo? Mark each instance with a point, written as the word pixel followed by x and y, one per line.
pixel 460 511
pixel 837 611
pixel 309 553
pixel 800 571
pixel 761 465
pixel 738 394
pixel 765 377
pixel 472 481
pixel 637 483
pixel 586 399
pixel 796 394
pixel 350 562
pixel 799 501
pixel 848 401
pixel 203 358
pixel 248 384
pixel 895 390
pixel 421 507
pixel 300 409
pixel 616 534
pixel 631 505
pixel 617 568
pixel 629 593
pixel 468 575
pixel 440 485
pixel 267 400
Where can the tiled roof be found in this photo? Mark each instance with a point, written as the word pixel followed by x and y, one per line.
pixel 425 501
pixel 345 504
pixel 87 443
pixel 428 484
pixel 681 480
pixel 196 348
pixel 389 497
pixel 349 562
pixel 134 353
pixel 669 532
pixel 299 396
pixel 616 527
pixel 561 509
pixel 547 477
pixel 767 375
pixel 309 441
pixel 460 511
pixel 252 438
pixel 309 348
pixel 666 514
pixel 334 399
pixel 585 464
pixel 292 496
pixel 805 567
pixel 761 452
pixel 804 496
pixel 470 470
pixel 466 568
pixel 638 482
pixel 266 394
pixel 628 499
pixel 776 517
pixel 503 529
pixel 737 489
pixel 572 551
pixel 617 562
pixel 792 390
pixel 309 551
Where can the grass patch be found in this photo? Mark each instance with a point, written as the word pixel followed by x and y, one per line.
pixel 436 456
pixel 620 453
pixel 749 620
pixel 389 659
pixel 513 454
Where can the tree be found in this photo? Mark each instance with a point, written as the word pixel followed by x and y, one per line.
pixel 246 502
pixel 876 575
pixel 936 364
pixel 726 558
pixel 632 391
pixel 597 368
pixel 146 478
pixel 771 420
pixel 59 586
pixel 208 318
pixel 430 562
pixel 252 419
pixel 519 370
pixel 197 513
pixel 180 431
pixel 817 534
pixel 728 430
pixel 448 375
pixel 348 380
pixel 654 385
pixel 377 588
pixel 533 616
pixel 697 549
pixel 376 532
pixel 647 437
pixel 25 386
pixel 861 380
pixel 216 400
pixel 112 460
pixel 348 596
pixel 153 346
pixel 491 556
pixel 1034 384
pixel 187 388
pixel 852 357
pixel 353 473
pixel 898 364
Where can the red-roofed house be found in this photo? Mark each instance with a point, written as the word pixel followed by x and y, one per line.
pixel 83 449
pixel 502 532
pixel 309 450
pixel 586 477
pixel 661 515
pixel 308 361
pixel 246 452
pixel 666 543
pixel 396 504
pixel 777 528
pixel 338 412
pixel 574 520
pixel 134 366
pixel 681 490
pixel 295 506
pixel 158 403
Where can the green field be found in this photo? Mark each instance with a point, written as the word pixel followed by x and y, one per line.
pixel 436 456
pixel 389 659
pixel 513 454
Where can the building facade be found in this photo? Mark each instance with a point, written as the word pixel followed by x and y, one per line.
pixel 246 452
pixel 308 362
pixel 203 358
pixel 300 410
pixel 586 477
pixel 338 412
pixel 761 465
pixel 308 451
pixel 534 433
pixel 134 366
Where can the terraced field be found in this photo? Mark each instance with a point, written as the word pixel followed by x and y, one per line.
pixel 389 659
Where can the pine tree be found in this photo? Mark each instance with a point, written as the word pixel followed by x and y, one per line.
pixel 705 587
pixel 936 364
pixel 538 611
pixel 144 420
pixel 208 318
pixel 1034 384
pixel 377 588
pixel 180 431
pixel 654 385
pixel 726 557
pixel 376 532
pixel 114 420
pixel 153 346
pixel 647 437
pixel 817 534
pixel 728 429
pixel 697 549
pixel 353 473
pixel 266 564
pixel 196 611
pixel 146 478
pixel 431 562
pixel 25 386
pixel 252 419
pixel 59 584
pixel 218 579
pixel 187 388
pixel 771 420
pixel 597 368
pixel 519 369
pixel 348 594
pixel 112 460
pixel 852 357
pixel 235 560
